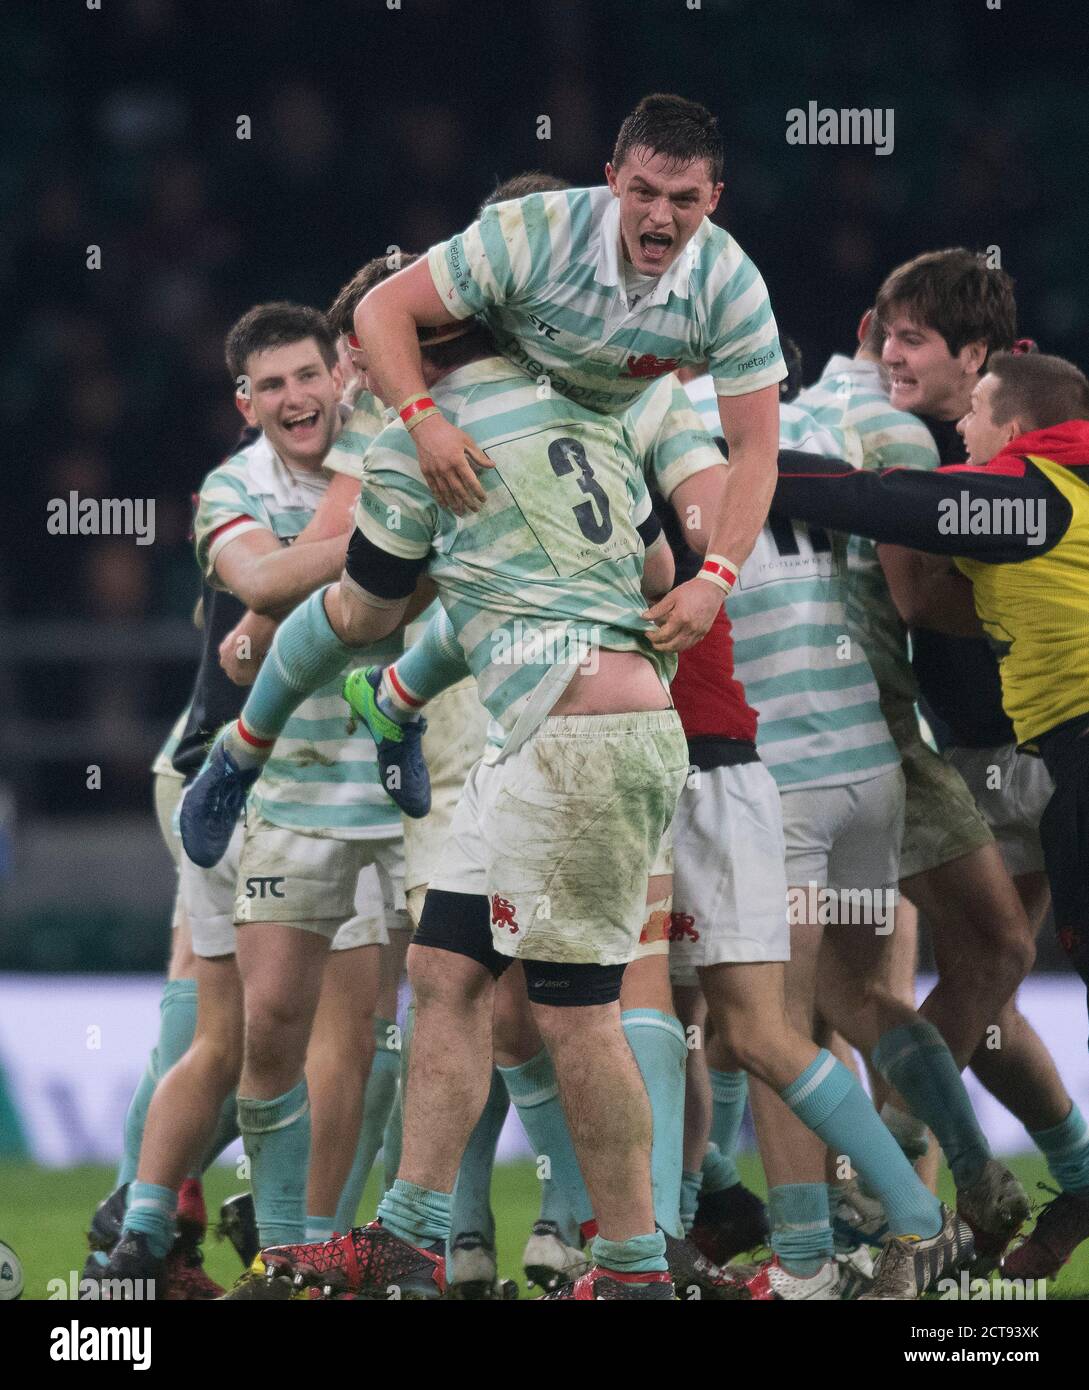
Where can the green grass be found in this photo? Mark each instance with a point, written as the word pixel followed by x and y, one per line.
pixel 44 1215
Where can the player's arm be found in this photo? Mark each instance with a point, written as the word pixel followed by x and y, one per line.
pixel 750 425
pixel 333 516
pixel 926 511
pixel 271 578
pixel 387 320
pixel 697 502
pixel 658 568
pixel 247 644
pixel 929 592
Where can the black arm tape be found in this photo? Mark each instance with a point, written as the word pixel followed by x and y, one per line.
pixel 378 572
pixel 571 986
pixel 649 531
pixel 461 923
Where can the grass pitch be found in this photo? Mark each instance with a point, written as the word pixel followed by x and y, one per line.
pixel 44 1214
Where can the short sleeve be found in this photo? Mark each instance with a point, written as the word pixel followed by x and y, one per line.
pixel 225 511
pixel 362 427
pixel 743 351
pixel 503 255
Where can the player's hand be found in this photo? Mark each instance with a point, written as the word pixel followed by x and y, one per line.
pixel 244 647
pixel 448 460
pixel 684 615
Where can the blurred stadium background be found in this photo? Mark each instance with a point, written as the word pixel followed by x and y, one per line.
pixel 374 124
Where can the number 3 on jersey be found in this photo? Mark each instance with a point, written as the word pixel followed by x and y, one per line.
pixel 565 455
pixel 580 506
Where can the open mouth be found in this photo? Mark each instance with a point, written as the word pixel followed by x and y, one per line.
pixel 299 424
pixel 655 246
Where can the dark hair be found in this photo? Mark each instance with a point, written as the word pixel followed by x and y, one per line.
pixel 342 310
pixel 478 342
pixel 522 185
pixel 276 325
pixel 955 293
pixel 672 126
pixel 1038 390
pixel 874 341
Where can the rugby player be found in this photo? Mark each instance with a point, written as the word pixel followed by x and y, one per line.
pixel 1027 438
pixel 600 291
pixel 317 832
pixel 826 745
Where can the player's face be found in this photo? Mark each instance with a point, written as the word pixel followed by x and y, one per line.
pixel 924 376
pixel 982 437
pixel 661 206
pixel 293 398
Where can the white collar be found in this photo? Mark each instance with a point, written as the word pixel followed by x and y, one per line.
pixel 607 270
pixel 859 368
pixel 270 477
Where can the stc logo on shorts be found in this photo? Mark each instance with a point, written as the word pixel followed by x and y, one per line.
pixel 264 888
pixel 503 913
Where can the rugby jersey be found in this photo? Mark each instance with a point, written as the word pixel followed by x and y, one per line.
pixel 820 721
pixel 319 780
pixel 163 766
pixel 545 273
pixel 851 399
pixel 1019 529
pixel 549 568
pixel 366 420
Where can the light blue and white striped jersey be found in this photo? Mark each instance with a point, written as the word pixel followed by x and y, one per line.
pixel 549 569
pixel 366 420
pixel 319 780
pixel 851 397
pixel 545 273
pixel 163 766
pixel 820 721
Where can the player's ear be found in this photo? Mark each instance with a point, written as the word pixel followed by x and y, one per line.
pixel 716 194
pixel 611 180
pixel 338 378
pixel 245 407
pixel 864 326
pixel 973 355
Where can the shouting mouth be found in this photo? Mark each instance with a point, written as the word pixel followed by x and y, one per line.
pixel 655 246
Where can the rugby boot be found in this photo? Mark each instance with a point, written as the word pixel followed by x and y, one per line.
pixel 548 1260
pixel 608 1284
pixel 1060 1228
pixel 369 1261
pixel 728 1222
pixel 995 1206
pixel 400 752
pixel 212 805
pixel 909 1265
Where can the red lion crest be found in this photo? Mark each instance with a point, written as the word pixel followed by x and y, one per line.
pixel 503 913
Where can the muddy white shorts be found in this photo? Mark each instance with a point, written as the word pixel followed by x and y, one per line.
pixel 563 834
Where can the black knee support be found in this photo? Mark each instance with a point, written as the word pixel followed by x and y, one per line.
pixel 460 922
pixel 548 982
